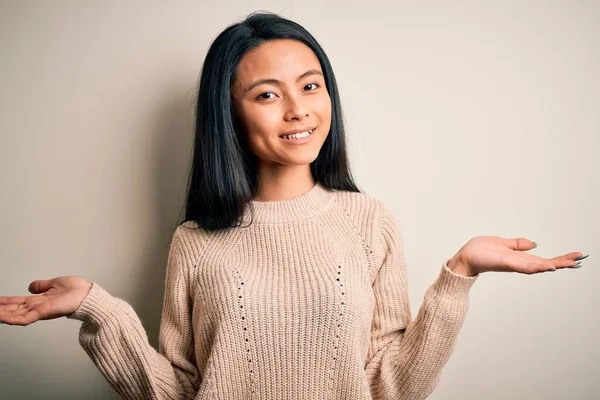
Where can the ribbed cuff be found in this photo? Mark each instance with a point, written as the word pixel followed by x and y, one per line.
pixel 450 284
pixel 98 306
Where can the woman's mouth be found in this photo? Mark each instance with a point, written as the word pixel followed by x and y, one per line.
pixel 298 136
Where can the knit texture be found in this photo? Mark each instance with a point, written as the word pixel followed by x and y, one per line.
pixel 309 301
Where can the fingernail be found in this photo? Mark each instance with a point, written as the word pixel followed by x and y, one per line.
pixel 1 322
pixel 534 245
pixel 582 257
pixel 576 266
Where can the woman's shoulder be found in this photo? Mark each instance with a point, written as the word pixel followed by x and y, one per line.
pixel 360 202
pixel 189 235
pixel 369 216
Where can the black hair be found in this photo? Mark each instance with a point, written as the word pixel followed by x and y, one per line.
pixel 224 172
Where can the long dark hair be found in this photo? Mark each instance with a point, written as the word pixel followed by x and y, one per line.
pixel 223 175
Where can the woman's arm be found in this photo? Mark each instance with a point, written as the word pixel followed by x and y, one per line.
pixel 114 338
pixel 407 356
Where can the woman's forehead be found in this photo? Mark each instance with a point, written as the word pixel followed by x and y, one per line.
pixel 281 59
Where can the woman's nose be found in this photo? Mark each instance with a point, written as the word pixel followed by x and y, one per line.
pixel 295 109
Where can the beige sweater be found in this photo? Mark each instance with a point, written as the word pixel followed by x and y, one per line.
pixel 308 302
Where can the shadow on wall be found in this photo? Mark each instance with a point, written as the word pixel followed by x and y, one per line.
pixel 171 151
pixel 173 145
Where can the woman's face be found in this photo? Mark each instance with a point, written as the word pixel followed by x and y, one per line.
pixel 281 100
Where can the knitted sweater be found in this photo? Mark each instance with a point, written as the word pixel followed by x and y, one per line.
pixel 307 302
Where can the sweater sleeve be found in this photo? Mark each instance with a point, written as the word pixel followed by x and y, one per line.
pixel 406 356
pixel 114 338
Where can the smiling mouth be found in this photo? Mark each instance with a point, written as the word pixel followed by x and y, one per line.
pixel 299 135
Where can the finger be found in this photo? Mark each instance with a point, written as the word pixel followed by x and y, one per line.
pixel 526 263
pixel 566 263
pixel 531 264
pixel 36 308
pixel 27 304
pixel 561 262
pixel 12 300
pixel 575 256
pixel 40 286
pixel 23 317
pixel 11 308
pixel 568 260
pixel 520 244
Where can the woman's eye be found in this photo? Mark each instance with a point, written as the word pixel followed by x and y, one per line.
pixel 314 85
pixel 265 96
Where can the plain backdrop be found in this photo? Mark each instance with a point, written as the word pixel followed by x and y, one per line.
pixel 466 117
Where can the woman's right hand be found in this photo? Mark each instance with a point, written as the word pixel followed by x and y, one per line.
pixel 53 298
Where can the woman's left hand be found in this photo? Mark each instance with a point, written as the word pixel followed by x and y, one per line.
pixel 492 253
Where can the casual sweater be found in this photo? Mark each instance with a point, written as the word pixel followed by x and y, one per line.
pixel 308 301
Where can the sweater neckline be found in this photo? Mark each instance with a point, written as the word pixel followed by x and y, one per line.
pixel 306 205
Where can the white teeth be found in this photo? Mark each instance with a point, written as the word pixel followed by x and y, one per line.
pixel 297 135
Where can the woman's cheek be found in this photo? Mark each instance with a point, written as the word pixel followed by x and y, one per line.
pixel 323 106
pixel 268 120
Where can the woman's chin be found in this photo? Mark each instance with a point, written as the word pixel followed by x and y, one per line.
pixel 296 157
pixel 301 159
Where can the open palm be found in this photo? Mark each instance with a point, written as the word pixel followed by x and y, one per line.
pixel 53 298
pixel 492 253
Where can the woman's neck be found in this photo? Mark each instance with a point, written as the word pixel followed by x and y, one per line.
pixel 283 182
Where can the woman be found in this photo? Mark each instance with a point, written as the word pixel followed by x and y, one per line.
pixel 284 281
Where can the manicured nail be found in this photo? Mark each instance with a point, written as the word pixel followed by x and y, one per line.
pixel 1 322
pixel 534 245
pixel 576 266
pixel 582 257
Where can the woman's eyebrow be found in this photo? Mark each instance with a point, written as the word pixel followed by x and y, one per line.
pixel 278 83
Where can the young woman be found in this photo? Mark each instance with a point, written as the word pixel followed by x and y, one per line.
pixel 284 281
